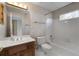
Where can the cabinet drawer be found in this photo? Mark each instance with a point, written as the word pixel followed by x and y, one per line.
pixel 31 45
pixel 16 49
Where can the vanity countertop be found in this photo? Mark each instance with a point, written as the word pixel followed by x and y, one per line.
pixel 8 42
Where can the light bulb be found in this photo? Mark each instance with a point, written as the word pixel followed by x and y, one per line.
pixel 15 3
pixel 20 5
pixel 24 6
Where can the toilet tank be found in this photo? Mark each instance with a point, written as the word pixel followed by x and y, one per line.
pixel 41 40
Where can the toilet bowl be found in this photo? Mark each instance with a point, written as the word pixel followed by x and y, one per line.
pixel 42 42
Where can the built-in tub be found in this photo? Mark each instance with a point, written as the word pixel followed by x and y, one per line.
pixel 62 50
pixel 59 48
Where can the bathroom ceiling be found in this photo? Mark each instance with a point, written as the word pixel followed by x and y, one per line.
pixel 51 6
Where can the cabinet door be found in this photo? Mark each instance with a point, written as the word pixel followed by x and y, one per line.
pixel 26 53
pixel 1 13
pixel 17 49
pixel 27 49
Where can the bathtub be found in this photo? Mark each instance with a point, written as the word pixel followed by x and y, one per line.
pixel 64 49
pixel 60 48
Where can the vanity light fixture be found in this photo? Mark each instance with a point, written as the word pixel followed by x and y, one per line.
pixel 19 5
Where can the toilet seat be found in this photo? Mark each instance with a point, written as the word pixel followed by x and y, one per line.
pixel 46 46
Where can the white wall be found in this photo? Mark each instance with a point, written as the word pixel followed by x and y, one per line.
pixel 37 14
pixel 26 24
pixel 2 31
pixel 67 34
pixel 49 27
pixel 3 26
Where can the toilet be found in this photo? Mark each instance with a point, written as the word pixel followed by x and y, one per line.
pixel 44 44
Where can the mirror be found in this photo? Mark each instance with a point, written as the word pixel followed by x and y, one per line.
pixel 15 25
pixel 14 21
pixel 18 21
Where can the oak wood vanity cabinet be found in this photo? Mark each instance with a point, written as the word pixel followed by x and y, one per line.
pixel 25 49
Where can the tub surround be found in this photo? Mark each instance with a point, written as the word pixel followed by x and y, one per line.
pixel 24 46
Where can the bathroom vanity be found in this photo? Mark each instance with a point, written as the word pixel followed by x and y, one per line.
pixel 23 47
pixel 16 44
